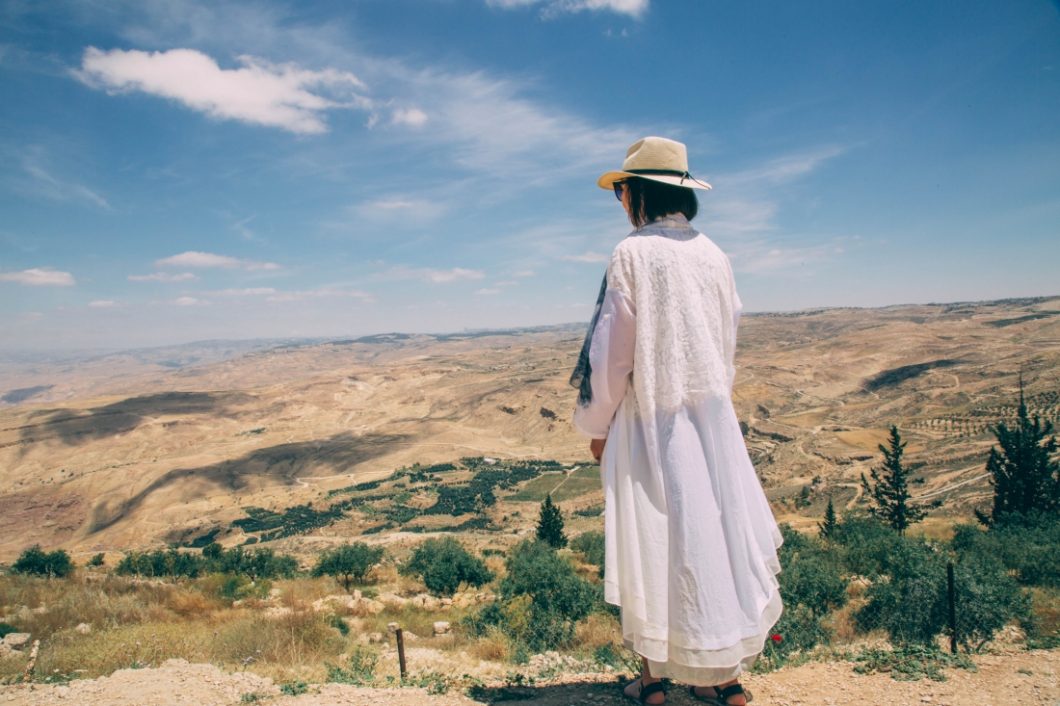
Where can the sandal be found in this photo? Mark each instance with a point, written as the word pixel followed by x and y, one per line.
pixel 721 696
pixel 645 691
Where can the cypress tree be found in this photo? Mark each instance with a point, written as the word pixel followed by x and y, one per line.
pixel 889 489
pixel 830 525
pixel 1024 472
pixel 550 524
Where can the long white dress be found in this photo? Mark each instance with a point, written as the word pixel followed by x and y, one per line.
pixel 690 540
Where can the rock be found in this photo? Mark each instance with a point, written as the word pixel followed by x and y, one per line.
pixel 375 638
pixel 357 595
pixel 441 627
pixel 83 628
pixel 275 593
pixel 392 627
pixel 16 640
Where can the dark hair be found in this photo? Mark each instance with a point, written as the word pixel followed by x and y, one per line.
pixel 650 200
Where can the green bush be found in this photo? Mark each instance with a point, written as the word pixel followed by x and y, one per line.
pixel 812 574
pixel 444 564
pixel 798 630
pixel 865 544
pixel 987 598
pixel 909 601
pixel 591 546
pixel 541 599
pixel 1023 544
pixel 37 562
pixel 348 563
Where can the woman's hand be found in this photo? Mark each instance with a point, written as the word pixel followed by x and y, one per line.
pixel 596 448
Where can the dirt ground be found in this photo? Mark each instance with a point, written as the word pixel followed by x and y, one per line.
pixel 1018 677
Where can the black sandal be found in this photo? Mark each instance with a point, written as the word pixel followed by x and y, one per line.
pixel 721 696
pixel 646 691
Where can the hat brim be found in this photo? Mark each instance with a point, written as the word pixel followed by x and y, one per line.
pixel 607 180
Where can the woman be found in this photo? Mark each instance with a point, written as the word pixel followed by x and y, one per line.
pixel 690 541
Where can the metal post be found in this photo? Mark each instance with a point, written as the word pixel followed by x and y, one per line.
pixel 952 595
pixel 401 651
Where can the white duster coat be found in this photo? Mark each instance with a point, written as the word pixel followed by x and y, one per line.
pixel 690 541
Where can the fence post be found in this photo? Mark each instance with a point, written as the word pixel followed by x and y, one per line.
pixel 401 651
pixel 952 596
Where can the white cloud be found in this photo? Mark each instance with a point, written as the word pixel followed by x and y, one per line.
pixel 413 117
pixel 164 277
pixel 396 209
pixel 293 296
pixel 633 8
pixel 40 277
pixel 103 303
pixel 258 92
pixel 588 256
pixel 189 301
pixel 486 291
pixel 428 274
pixel 194 258
pixel 783 168
pixel 245 292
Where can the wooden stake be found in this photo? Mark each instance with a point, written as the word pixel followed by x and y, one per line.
pixel 401 651
pixel 952 596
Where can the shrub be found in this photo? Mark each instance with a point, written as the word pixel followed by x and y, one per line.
pixel 37 562
pixel 1027 547
pixel 987 598
pixel 444 564
pixel 96 560
pixel 348 563
pixel 541 598
pixel 812 575
pixel 591 546
pixel 865 544
pixel 798 630
pixel 909 602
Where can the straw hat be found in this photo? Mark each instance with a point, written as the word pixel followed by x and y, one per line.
pixel 658 159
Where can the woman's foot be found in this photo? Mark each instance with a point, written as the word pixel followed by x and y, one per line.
pixel 639 689
pixel 723 693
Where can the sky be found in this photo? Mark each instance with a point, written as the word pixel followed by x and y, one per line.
pixel 176 170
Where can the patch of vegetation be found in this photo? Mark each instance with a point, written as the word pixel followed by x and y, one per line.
pixel 911 662
pixel 348 563
pixel 37 562
pixel 444 564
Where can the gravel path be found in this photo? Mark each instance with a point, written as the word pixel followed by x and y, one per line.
pixel 1019 677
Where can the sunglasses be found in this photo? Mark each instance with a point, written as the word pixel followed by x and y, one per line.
pixel 619 187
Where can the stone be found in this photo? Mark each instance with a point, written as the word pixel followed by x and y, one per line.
pixel 83 628
pixel 16 640
pixel 441 627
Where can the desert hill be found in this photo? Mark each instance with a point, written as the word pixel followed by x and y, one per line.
pixel 135 449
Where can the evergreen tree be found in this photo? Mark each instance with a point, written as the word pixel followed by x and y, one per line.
pixel 348 563
pixel 830 525
pixel 889 489
pixel 1025 473
pixel 550 524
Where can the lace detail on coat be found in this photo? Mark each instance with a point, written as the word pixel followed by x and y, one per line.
pixel 682 287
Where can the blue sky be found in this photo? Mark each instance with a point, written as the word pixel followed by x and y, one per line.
pixel 177 170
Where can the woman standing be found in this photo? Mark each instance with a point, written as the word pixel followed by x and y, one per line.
pixel 690 541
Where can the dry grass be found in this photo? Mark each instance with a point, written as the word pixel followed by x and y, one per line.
pixel 1046 608
pixel 494 646
pixel 597 630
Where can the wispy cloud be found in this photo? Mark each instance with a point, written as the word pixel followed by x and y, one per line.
pixel 784 168
pixel 103 303
pixel 587 257
pixel 190 301
pixel 45 183
pixel 550 8
pixel 412 117
pixel 39 277
pixel 244 292
pixel 164 277
pixel 428 274
pixel 321 292
pixel 257 91
pixel 194 258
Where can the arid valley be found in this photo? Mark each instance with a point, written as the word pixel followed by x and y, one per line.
pixel 301 446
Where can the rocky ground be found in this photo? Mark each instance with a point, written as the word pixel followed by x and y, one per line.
pixel 1008 678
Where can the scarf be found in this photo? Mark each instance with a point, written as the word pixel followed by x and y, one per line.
pixel 583 370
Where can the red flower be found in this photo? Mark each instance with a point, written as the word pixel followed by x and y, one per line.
pixel 776 638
